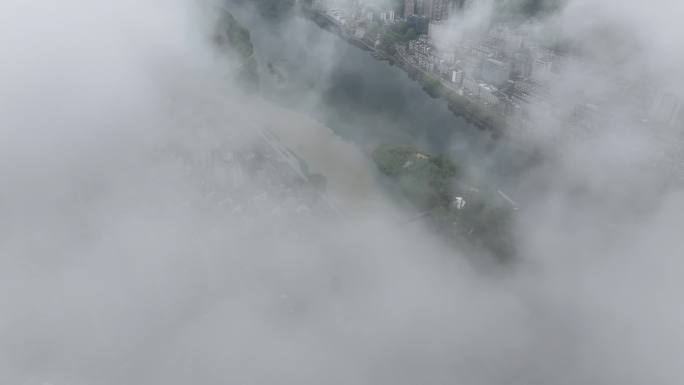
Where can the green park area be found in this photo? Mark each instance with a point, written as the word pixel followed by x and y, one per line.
pixel 433 183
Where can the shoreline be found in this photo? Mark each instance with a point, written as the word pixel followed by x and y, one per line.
pixel 461 108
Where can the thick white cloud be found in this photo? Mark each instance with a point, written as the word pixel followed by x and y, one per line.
pixel 115 267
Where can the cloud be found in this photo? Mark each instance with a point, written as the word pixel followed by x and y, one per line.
pixel 121 261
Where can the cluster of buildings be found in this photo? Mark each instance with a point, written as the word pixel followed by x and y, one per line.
pixel 432 9
pixel 501 66
pixel 497 69
pixel 352 14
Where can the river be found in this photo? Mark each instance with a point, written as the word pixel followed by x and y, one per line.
pixel 370 102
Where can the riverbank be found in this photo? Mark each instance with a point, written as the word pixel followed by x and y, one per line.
pixel 350 182
pixel 460 105
pixel 325 22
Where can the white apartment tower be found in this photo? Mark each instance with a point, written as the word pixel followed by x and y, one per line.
pixel 409 8
pixel 433 9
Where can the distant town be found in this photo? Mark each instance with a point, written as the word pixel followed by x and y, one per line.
pixel 496 77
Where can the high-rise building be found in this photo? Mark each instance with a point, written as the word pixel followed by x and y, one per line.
pixel 433 9
pixel 439 9
pixel 409 8
pixel 495 72
pixel 418 23
pixel 424 8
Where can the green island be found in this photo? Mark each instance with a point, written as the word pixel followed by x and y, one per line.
pixel 434 185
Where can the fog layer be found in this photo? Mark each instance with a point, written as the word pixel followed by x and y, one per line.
pixel 123 260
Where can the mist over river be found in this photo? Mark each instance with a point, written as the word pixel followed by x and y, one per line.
pixel 165 222
pixel 367 101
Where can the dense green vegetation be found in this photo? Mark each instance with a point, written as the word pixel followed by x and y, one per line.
pixel 274 8
pixel 425 180
pixel 230 33
pixel 525 9
pixel 431 85
pixel 396 33
pixel 233 37
pixel 271 9
pixel 430 183
pixel 474 112
pixel 400 32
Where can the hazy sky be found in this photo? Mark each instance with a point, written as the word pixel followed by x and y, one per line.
pixel 117 267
